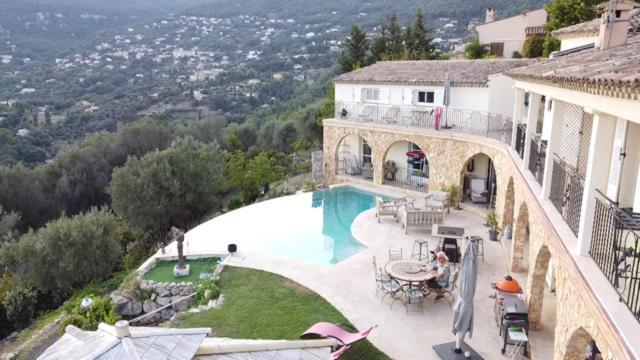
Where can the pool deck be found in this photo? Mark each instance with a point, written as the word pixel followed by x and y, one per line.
pixel 350 287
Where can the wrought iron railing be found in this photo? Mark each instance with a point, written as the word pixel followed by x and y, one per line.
pixel 567 188
pixel 615 247
pixel 521 133
pixel 350 166
pixel 479 123
pixel 407 178
pixel 537 157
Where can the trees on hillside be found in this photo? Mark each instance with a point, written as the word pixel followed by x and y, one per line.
pixel 392 44
pixel 253 176
pixel 563 13
pixel 418 40
pixel 354 54
pixel 67 253
pixel 175 186
pixel 533 46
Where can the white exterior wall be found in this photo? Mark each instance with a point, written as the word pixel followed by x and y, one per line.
pixel 510 31
pixel 468 98
pixel 480 166
pixel 630 167
pixel 571 43
pixel 398 153
pixel 501 95
pixel 352 144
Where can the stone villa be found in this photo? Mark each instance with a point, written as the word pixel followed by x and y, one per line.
pixel 558 154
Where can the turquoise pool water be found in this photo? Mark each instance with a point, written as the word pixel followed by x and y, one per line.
pixel 311 227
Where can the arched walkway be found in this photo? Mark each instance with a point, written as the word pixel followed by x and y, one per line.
pixel 478 180
pixel 354 157
pixel 578 345
pixel 537 281
pixel 406 166
pixel 509 201
pixel 520 244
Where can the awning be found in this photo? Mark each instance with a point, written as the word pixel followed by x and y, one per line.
pixel 416 154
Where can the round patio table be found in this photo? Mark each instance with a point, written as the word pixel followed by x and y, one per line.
pixel 410 271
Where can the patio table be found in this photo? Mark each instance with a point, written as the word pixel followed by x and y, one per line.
pixel 410 271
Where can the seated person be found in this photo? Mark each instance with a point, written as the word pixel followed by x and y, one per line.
pixel 441 280
pixel 434 254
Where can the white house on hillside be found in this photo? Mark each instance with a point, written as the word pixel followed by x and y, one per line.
pixel 505 36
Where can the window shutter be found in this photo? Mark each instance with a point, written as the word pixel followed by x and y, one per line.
pixel 616 162
pixel 414 97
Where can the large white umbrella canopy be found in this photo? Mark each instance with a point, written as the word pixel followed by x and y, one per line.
pixel 463 307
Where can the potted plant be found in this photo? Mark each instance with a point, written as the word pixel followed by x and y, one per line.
pixel 492 221
pixel 454 193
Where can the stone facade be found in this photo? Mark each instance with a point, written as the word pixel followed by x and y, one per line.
pixel 580 317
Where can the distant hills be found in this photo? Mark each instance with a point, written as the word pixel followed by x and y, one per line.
pixel 44 28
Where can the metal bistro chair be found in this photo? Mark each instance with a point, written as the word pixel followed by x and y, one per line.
pixel 378 275
pixel 391 287
pixel 395 255
pixel 453 285
pixel 413 295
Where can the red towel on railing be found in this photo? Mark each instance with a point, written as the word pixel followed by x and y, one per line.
pixel 438 115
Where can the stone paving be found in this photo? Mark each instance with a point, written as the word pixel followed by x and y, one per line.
pixel 350 287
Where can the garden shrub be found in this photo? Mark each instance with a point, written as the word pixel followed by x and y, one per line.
pixel 88 319
pixel 19 303
pixel 235 203
pixel 202 288
pixel 308 186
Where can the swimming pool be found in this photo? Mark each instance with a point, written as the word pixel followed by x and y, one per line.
pixel 311 227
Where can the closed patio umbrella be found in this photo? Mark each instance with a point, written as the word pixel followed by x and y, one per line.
pixel 463 307
pixel 446 101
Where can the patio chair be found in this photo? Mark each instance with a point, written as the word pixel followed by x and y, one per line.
pixel 414 295
pixel 337 332
pixel 391 287
pixel 386 208
pixel 395 255
pixel 437 200
pixel 378 275
pixel 453 285
pixel 421 218
pixel 478 190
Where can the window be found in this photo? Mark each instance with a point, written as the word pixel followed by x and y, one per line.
pixel 497 49
pixel 426 97
pixel 366 153
pixel 370 94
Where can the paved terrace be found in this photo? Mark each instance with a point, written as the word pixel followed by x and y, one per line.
pixel 349 286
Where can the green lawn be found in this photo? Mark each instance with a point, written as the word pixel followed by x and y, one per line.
pixel 163 271
pixel 262 305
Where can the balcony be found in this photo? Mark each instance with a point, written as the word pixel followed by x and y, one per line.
pixel 567 188
pixel 479 123
pixel 615 248
pixel 537 156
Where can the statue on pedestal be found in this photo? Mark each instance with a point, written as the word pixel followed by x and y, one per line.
pixel 181 269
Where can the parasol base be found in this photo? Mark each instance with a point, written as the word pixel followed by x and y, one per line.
pixel 446 352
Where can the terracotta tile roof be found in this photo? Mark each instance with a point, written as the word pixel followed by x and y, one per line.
pixel 613 72
pixel 588 28
pixel 432 72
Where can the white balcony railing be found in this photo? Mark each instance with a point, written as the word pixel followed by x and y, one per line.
pixel 479 123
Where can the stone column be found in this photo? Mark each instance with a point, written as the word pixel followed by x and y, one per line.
pixel 602 136
pixel 517 114
pixel 532 118
pixel 553 143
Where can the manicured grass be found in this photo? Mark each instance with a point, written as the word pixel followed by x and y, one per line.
pixel 262 305
pixel 163 271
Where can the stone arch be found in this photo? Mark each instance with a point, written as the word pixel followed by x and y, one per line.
pixel 536 283
pixel 520 243
pixel 351 158
pixel 578 344
pixel 479 165
pixel 509 204
pixel 405 164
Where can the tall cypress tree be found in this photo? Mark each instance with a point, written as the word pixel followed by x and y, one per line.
pixel 395 43
pixel 379 45
pixel 354 54
pixel 420 45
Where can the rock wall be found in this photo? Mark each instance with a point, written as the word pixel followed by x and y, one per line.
pixel 150 296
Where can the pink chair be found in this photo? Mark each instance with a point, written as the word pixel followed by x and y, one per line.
pixel 335 331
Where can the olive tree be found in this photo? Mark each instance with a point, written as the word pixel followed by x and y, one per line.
pixel 175 186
